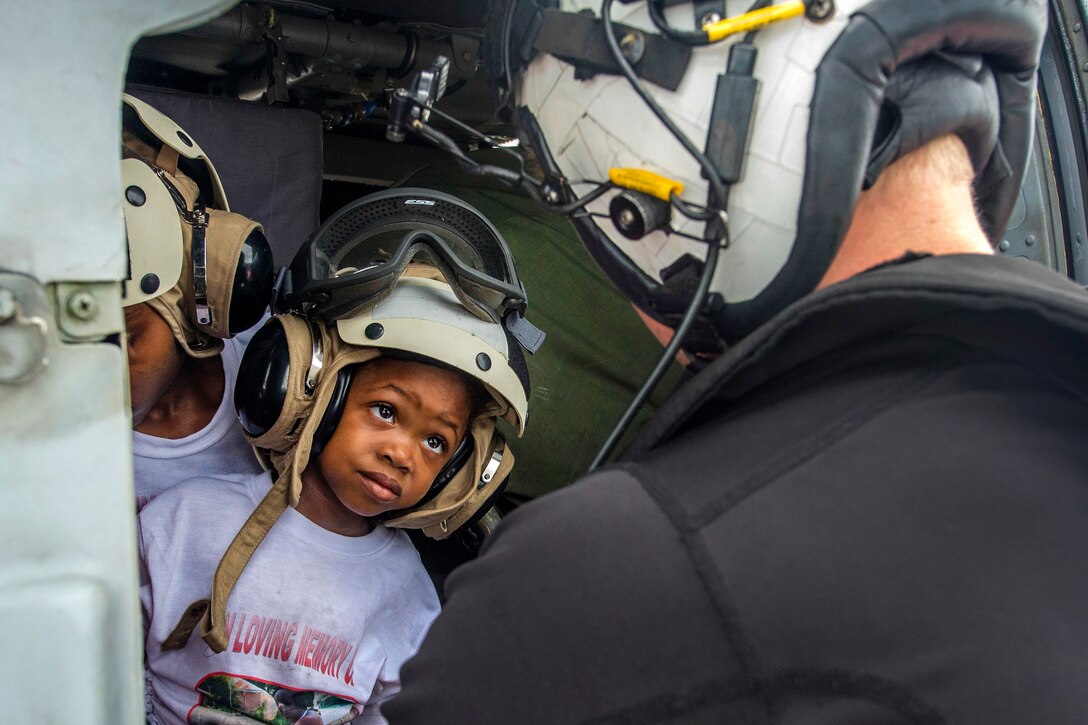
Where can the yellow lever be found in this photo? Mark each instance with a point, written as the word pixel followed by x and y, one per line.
pixel 647 182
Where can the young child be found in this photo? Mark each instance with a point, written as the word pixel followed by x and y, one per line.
pixel 183 316
pixel 384 417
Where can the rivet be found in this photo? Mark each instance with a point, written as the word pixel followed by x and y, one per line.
pixel 1004 245
pixel 185 139
pixel 149 283
pixel 135 196
pixel 1085 67
pixel 1030 240
pixel 374 330
pixel 1076 27
pixel 483 361
pixel 466 56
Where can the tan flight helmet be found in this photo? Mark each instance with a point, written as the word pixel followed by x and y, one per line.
pixel 290 393
pixel 206 271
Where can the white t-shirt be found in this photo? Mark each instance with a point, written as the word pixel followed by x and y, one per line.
pixel 217 448
pixel 318 623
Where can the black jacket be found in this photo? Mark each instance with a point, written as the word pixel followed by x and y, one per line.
pixel 873 510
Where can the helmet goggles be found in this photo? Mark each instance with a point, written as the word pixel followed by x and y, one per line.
pixel 356 257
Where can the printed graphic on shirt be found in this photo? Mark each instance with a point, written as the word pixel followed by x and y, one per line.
pixel 280 639
pixel 227 699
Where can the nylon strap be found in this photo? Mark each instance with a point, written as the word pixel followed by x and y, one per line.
pixel 579 39
pixel 167 159
pixel 213 613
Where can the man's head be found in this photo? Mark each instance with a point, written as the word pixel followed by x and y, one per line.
pixel 401 424
pixel 839 98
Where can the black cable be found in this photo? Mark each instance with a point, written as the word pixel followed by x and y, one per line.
pixel 663 363
pixel 687 37
pixel 709 265
pixel 582 201
pixel 481 136
pixel 445 142
pixel 507 30
pixel 692 211
pixel 708 167
pixel 474 167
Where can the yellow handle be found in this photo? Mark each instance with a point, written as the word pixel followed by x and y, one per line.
pixel 646 181
pixel 753 20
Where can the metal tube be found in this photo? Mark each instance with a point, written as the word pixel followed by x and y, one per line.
pixel 319 39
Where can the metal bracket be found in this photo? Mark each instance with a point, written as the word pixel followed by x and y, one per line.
pixel 88 311
pixel 277 60
pixel 24 328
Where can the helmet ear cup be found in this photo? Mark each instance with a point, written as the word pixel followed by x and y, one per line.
pixel 264 379
pixel 277 380
pixel 333 412
pixel 230 279
pixel 252 283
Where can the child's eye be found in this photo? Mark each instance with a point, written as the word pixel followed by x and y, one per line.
pixel 383 411
pixel 435 443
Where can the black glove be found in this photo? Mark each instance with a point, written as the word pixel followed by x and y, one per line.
pixel 934 96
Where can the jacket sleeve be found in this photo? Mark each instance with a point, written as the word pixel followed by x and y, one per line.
pixel 582 605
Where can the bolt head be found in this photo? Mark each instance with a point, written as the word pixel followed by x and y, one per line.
pixel 820 10
pixel 9 306
pixel 709 19
pixel 1004 245
pixel 633 45
pixel 82 306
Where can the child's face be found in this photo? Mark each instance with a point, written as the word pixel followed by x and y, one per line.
pixel 402 421
pixel 154 358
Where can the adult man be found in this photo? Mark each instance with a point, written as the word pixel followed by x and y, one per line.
pixel 870 508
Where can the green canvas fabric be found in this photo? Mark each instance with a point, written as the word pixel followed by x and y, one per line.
pixel 598 352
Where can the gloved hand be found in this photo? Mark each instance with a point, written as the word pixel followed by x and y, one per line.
pixel 934 96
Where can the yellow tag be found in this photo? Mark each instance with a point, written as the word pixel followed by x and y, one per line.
pixel 753 20
pixel 645 181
